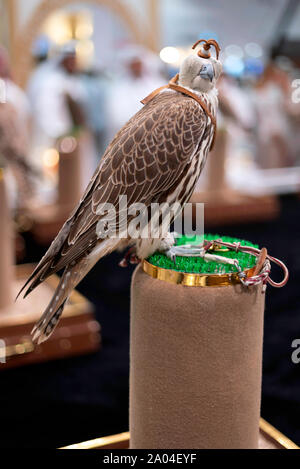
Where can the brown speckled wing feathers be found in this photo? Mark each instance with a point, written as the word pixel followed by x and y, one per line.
pixel 145 161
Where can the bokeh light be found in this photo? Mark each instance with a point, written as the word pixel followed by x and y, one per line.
pixel 170 55
pixel 68 144
pixel 234 66
pixel 234 50
pixel 85 53
pixel 253 50
pixel 50 158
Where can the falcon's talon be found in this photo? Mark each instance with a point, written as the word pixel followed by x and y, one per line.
pixel 171 254
pixel 172 257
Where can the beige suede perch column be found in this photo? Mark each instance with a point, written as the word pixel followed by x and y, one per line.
pixel 196 360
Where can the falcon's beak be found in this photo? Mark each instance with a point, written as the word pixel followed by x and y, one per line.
pixel 207 72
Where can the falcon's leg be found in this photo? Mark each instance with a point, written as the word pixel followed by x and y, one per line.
pixel 145 247
pixel 191 250
pixel 167 246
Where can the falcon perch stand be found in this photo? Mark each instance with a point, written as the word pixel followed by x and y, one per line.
pixel 196 361
pixel 196 346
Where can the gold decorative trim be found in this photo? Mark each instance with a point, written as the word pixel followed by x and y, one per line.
pixel 122 439
pixel 190 279
pixel 117 441
pixel 276 435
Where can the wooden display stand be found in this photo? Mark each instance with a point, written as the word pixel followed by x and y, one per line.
pixel 224 205
pixel 195 363
pixel 48 219
pixel 78 332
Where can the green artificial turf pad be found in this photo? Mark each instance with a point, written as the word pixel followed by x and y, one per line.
pixel 198 264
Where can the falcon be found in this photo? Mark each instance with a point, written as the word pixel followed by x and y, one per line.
pixel 156 157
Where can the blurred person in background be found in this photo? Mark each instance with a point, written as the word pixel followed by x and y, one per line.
pixel 14 94
pixel 49 86
pixel 58 99
pixel 14 136
pixel 235 102
pixel 139 75
pixel 293 106
pixel 95 83
pixel 41 49
pixel 234 146
pixel 272 97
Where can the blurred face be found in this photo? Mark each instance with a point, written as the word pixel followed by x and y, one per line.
pixel 69 63
pixel 136 68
